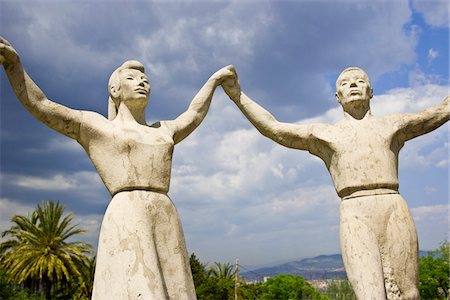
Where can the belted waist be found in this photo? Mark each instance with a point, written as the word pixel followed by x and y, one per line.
pixel 139 188
pixel 371 192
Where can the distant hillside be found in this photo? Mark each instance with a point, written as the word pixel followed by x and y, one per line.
pixel 319 267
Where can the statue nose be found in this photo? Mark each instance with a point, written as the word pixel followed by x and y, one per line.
pixel 353 84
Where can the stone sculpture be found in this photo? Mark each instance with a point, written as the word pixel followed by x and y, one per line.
pixel 142 252
pixel 377 233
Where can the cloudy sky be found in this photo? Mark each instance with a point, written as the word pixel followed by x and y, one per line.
pixel 238 194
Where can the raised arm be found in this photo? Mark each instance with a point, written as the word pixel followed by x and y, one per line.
pixel 297 136
pixel 58 117
pixel 182 126
pixel 416 124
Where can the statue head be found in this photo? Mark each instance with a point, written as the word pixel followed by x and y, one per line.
pixel 353 84
pixel 127 83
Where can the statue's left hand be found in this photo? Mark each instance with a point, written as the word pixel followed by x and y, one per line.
pixel 8 55
pixel 223 74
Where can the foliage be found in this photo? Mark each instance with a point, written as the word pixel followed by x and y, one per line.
pixel 86 281
pixel 38 255
pixel 221 270
pixel 340 290
pixel 217 282
pixel 198 270
pixel 290 287
pixel 13 292
pixel 211 283
pixel 434 273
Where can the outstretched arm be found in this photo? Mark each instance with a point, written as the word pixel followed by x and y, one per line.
pixel 290 135
pixel 58 117
pixel 414 125
pixel 182 126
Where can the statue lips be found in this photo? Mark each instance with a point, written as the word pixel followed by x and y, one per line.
pixel 355 92
pixel 142 91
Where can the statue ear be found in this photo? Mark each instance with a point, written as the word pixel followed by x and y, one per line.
pixel 114 91
pixel 337 97
pixel 371 93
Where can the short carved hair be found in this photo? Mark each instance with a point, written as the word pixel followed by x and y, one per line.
pixel 353 69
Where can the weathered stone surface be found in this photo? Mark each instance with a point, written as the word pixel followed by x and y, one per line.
pixel 378 236
pixel 142 252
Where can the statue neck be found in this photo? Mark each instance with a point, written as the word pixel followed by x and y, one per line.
pixel 358 111
pixel 131 114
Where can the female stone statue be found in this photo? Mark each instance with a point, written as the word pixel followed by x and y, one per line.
pixel 142 252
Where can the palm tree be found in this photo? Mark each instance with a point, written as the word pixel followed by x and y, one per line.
pixel 38 253
pixel 86 283
pixel 221 270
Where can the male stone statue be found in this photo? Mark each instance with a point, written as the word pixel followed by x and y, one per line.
pixel 142 252
pixel 377 234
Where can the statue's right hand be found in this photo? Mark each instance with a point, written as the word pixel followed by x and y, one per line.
pixel 231 85
pixel 8 55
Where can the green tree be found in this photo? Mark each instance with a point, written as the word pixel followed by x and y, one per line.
pixel 220 270
pixel 217 282
pixel 198 270
pixel 290 287
pixel 434 271
pixel 340 290
pixel 83 290
pixel 9 291
pixel 37 253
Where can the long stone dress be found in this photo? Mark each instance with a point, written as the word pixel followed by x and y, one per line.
pixel 142 252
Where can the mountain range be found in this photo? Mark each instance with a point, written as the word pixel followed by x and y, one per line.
pixel 316 268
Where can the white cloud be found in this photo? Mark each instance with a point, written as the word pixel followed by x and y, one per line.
pixel 58 182
pixel 410 100
pixel 9 208
pixel 91 223
pixel 59 143
pixel 423 213
pixel 432 54
pixel 331 116
pixel 432 223
pixel 435 12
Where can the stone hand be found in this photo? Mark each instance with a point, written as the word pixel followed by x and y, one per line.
pixel 8 55
pixel 223 74
pixel 447 101
pixel 231 86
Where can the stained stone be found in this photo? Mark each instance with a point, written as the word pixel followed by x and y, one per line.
pixel 377 233
pixel 142 252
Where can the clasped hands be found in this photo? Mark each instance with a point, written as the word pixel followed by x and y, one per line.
pixel 228 79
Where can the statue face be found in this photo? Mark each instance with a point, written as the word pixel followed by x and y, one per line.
pixel 134 85
pixel 353 85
